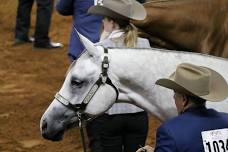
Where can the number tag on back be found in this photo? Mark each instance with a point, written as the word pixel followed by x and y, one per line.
pixel 215 140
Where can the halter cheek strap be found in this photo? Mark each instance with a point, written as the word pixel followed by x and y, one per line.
pixel 80 108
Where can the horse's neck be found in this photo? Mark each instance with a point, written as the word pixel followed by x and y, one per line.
pixel 135 72
pixel 189 24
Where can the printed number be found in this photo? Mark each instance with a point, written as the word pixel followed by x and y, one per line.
pixel 217 146
pixel 209 146
pixel 222 145
pixel 227 144
pixel 98 2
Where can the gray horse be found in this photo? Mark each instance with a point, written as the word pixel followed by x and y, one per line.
pixel 101 75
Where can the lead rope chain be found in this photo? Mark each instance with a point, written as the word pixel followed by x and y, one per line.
pixel 82 132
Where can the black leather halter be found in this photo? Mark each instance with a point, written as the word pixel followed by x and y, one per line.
pixel 103 79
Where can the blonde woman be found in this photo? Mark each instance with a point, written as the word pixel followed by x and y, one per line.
pixel 123 127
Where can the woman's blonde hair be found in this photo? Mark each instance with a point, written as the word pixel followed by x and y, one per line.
pixel 131 34
pixel 130 31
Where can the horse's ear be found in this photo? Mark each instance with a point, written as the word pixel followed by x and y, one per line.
pixel 89 46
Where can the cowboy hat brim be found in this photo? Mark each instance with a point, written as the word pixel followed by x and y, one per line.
pixel 103 11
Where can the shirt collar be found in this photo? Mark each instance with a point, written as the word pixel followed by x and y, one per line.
pixel 116 34
pixel 192 109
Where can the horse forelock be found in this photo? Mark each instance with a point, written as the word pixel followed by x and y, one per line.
pixel 83 55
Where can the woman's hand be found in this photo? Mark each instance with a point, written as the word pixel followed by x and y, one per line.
pixel 146 149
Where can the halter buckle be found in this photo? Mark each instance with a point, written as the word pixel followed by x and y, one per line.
pixel 79 119
pixel 103 78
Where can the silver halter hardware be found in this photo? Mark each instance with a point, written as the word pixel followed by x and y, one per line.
pixel 103 79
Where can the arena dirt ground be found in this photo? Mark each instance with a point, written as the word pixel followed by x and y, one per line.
pixel 29 78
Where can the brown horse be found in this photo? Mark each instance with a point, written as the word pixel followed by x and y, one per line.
pixel 190 25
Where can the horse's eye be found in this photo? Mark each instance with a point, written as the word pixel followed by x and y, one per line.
pixel 76 83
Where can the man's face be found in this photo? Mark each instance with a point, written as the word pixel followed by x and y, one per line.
pixel 179 101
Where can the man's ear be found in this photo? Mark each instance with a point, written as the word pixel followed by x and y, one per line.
pixel 185 100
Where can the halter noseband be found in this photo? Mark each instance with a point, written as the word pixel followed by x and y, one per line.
pixel 103 79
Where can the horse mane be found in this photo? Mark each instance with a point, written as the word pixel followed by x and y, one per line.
pixel 85 53
pixel 168 51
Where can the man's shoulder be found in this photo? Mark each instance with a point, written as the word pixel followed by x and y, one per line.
pixel 179 121
pixel 185 120
pixel 224 115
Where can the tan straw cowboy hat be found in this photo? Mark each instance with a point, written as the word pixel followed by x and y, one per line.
pixel 119 9
pixel 197 81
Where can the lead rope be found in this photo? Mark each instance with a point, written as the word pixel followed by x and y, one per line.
pixel 82 132
pixel 105 65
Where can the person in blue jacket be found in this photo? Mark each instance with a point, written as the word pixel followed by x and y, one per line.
pixel 87 24
pixel 90 26
pixel 196 129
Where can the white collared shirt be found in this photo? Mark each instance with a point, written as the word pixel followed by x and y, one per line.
pixel 116 34
pixel 113 34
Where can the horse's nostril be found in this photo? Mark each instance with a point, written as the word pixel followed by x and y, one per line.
pixel 44 125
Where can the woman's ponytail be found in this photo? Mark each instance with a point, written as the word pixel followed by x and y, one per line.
pixel 130 31
pixel 131 34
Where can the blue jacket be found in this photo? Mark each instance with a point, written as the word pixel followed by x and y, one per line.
pixel 183 133
pixel 87 24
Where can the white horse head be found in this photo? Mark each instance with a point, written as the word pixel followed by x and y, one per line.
pixel 84 93
pixel 132 71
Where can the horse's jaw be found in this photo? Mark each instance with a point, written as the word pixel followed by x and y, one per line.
pixel 149 103
pixel 103 99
